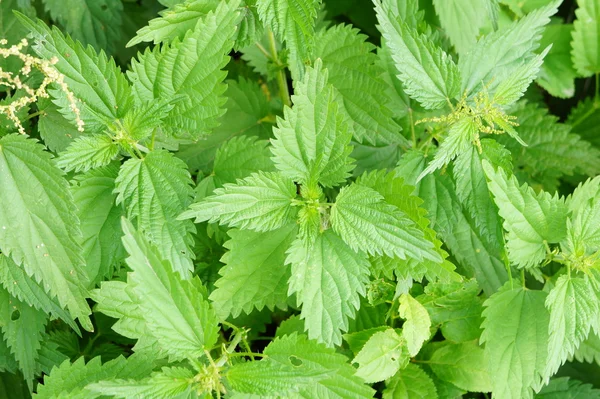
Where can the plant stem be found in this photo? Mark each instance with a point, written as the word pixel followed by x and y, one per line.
pixel 284 93
pixel 597 86
pixel 523 278
pixel 412 128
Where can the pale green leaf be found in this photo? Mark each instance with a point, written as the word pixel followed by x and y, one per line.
pixel 355 75
pixel 381 357
pixel 429 75
pixel 260 202
pixel 588 350
pixel 293 21
pixel 464 365
pixel 175 310
pixel 240 157
pixel 254 275
pixel 170 382
pixel 154 191
pixel 574 309
pixel 415 329
pixel 367 223
pixel 100 218
pixel 23 329
pixel 141 121
pixel 515 333
pixel 92 22
pixel 312 139
pixel 410 383
pixel 462 20
pixel 69 380
pixel 586 44
pixel 88 152
pixel 341 381
pixel 190 68
pixel 583 228
pixel 500 54
pixel 39 226
pixel 531 220
pixel 102 90
pixel 328 279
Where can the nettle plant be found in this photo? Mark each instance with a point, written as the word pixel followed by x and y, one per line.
pixel 272 203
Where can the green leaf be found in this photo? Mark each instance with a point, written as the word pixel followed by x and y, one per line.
pixel 428 74
pixel 260 202
pixel 461 136
pixel 24 288
pixel 415 329
pixel 175 310
pixel 23 328
pixel 515 333
pixel 586 45
pixel 254 275
pixel 557 74
pixel 141 121
pixel 92 22
pixel 155 190
pixel 464 365
pixel 583 234
pixel 240 157
pixel 40 229
pixel 93 193
pixel 102 90
pixel 328 278
pixel 69 380
pixel 456 308
pixel 574 310
pixel 367 223
pixel 462 21
pixel 565 388
pixel 293 22
pixel 589 350
pixel 500 54
pixel 382 356
pixel 88 152
pixel 190 68
pixel 56 131
pixel 531 220
pixel 312 140
pixel 410 383
pixel 340 382
pixel 170 382
pixel 355 75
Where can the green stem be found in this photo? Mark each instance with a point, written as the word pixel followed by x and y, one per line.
pixel 597 86
pixel 152 140
pixel 412 128
pixel 31 116
pixel 284 92
pixel 523 278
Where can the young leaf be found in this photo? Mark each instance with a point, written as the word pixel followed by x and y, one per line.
pixel 155 190
pixel 328 278
pixel 464 365
pixel 410 383
pixel 462 21
pixel 367 223
pixel 254 275
pixel 23 328
pixel 531 220
pixel 500 54
pixel 340 382
pixel 415 329
pixel 170 382
pixel 381 357
pixel 293 21
pixel 93 193
pixel 515 333
pixel 88 152
pixel 260 202
pixel 355 75
pixel 95 80
pixel 39 226
pixel 429 75
pixel 586 46
pixel 311 141
pixel 175 310
pixel 192 69
pixel 574 309
pixel 94 22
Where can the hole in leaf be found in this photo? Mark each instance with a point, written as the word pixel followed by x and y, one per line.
pixel 15 315
pixel 296 361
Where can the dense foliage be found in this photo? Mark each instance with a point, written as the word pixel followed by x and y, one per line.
pixel 300 199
